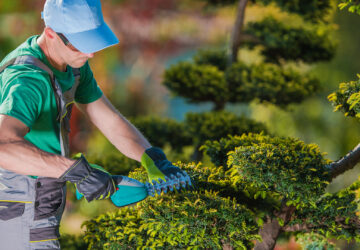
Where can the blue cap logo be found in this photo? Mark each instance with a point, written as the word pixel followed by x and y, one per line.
pixel 81 22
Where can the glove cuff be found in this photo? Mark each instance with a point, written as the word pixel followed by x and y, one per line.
pixel 78 171
pixel 156 154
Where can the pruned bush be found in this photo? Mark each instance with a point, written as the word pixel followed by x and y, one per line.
pixel 216 125
pixel 270 83
pixel 281 41
pixel 163 131
pixel 347 98
pixel 179 220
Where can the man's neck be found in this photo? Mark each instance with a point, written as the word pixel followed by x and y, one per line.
pixel 51 54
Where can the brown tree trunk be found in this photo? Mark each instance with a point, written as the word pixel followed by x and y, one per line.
pixel 269 234
pixel 237 31
pixel 272 229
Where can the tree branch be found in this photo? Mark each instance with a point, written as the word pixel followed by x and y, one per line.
pixel 354 222
pixel 346 163
pixel 237 31
pixel 271 229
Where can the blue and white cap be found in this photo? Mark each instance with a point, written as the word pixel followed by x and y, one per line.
pixel 81 22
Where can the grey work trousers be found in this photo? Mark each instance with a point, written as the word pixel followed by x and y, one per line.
pixel 30 211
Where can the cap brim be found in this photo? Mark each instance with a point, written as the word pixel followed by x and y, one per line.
pixel 94 40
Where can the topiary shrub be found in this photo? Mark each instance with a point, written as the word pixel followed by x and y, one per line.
pixel 163 131
pixel 269 185
pixel 196 219
pixel 347 98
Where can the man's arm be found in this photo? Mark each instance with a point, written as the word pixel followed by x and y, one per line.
pixel 20 156
pixel 119 131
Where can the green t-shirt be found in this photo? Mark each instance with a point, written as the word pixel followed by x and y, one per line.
pixel 26 94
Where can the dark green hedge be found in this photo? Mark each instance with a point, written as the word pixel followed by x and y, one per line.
pixel 163 131
pixel 216 125
pixel 281 41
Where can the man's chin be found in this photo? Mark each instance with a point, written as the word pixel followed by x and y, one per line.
pixel 78 64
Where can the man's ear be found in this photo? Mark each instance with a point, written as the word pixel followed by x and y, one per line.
pixel 49 33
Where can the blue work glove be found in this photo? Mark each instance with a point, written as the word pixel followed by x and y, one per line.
pixel 157 165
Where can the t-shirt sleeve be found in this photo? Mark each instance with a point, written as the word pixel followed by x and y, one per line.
pixel 88 90
pixel 23 98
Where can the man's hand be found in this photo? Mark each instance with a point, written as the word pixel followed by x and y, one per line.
pixel 157 165
pixel 90 181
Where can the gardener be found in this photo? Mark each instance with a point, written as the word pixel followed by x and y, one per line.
pixel 39 82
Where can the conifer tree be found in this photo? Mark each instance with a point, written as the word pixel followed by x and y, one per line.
pixel 259 186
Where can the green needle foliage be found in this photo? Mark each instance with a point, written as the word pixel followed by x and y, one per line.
pixel 215 125
pixel 313 241
pixel 197 83
pixel 237 83
pixel 285 166
pixel 351 5
pixel 347 98
pixel 163 131
pixel 269 83
pixel 232 203
pixel 333 215
pixel 281 41
pixel 196 219
pixel 314 10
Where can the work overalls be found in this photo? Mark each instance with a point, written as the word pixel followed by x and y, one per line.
pixel 31 209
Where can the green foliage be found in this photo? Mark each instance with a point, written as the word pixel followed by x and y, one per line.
pixel 288 167
pixel 163 131
pixel 215 125
pixel 197 83
pixel 267 82
pixel 314 241
pixel 6 45
pixel 347 98
pixel 239 82
pixel 199 219
pixel 70 242
pixel 218 149
pixel 215 57
pixel 353 6
pixel 281 41
pixel 314 10
pixel 261 172
pixel 114 162
pixel 333 215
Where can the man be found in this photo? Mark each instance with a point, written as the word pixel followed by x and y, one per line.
pixel 39 81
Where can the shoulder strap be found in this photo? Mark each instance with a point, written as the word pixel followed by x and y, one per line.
pixel 28 59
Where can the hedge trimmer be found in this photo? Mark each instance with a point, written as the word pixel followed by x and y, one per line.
pixel 130 191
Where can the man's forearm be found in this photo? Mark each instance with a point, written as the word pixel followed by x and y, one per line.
pixel 20 156
pixel 125 137
pixel 119 131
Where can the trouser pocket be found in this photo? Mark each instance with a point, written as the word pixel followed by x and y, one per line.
pixel 49 197
pixel 11 210
pixel 44 234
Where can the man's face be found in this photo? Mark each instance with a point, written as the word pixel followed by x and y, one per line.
pixel 70 55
